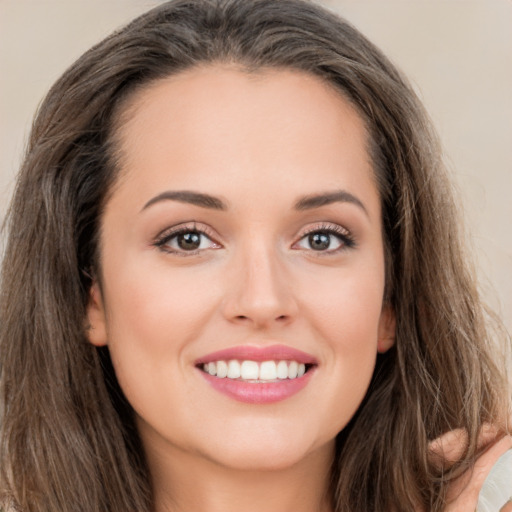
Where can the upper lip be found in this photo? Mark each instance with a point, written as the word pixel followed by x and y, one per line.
pixel 259 353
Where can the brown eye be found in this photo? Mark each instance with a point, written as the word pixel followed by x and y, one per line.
pixel 319 241
pixel 186 240
pixel 329 240
pixel 189 241
pixel 325 241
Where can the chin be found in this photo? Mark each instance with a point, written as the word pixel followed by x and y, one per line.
pixel 260 459
pixel 271 452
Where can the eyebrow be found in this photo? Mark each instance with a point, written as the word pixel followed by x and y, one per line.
pixel 317 200
pixel 186 196
pixel 309 202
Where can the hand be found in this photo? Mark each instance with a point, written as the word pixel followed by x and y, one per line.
pixel 507 507
pixel 464 491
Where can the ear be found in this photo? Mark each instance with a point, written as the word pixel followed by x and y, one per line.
pixel 387 329
pixel 96 329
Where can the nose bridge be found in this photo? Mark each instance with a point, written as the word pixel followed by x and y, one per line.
pixel 260 291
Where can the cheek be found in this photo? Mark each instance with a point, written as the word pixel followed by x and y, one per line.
pixel 345 312
pixel 347 306
pixel 156 305
pixel 152 317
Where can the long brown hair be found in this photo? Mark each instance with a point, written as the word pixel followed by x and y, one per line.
pixel 68 440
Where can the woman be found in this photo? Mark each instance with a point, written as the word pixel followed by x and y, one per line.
pixel 233 280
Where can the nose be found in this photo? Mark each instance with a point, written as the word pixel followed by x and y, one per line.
pixel 259 291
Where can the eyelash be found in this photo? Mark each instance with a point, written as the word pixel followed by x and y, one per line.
pixel 343 235
pixel 169 234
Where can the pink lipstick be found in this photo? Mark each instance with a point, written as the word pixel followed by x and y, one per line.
pixel 256 374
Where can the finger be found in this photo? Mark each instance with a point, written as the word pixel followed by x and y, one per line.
pixel 449 448
pixel 467 487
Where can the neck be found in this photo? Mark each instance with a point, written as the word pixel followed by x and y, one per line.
pixel 183 481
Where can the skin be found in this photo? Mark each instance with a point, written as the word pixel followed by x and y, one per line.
pixel 259 143
pixel 463 493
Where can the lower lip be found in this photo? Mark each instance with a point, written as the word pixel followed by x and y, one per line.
pixel 258 392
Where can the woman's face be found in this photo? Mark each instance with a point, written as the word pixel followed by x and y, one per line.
pixel 242 246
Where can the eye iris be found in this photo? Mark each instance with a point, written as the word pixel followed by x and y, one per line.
pixel 189 241
pixel 319 241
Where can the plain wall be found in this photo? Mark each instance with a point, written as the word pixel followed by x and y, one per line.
pixel 457 53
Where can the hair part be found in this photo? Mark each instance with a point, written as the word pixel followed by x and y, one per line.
pixel 68 440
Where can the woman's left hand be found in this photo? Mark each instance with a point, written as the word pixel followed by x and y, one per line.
pixel 464 491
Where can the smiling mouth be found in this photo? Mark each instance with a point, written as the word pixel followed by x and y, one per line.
pixel 256 371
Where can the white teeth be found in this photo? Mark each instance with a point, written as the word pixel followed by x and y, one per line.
pixel 233 370
pixel 212 368
pixel 222 369
pixel 254 371
pixel 292 369
pixel 249 370
pixel 282 370
pixel 268 370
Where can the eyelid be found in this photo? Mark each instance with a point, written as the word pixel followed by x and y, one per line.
pixel 326 226
pixel 347 238
pixel 167 234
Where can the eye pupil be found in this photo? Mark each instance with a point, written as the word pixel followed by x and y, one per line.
pixel 319 241
pixel 189 241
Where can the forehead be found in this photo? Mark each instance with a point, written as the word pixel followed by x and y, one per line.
pixel 218 121
pixel 222 91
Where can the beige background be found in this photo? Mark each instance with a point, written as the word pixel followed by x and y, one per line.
pixel 458 54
